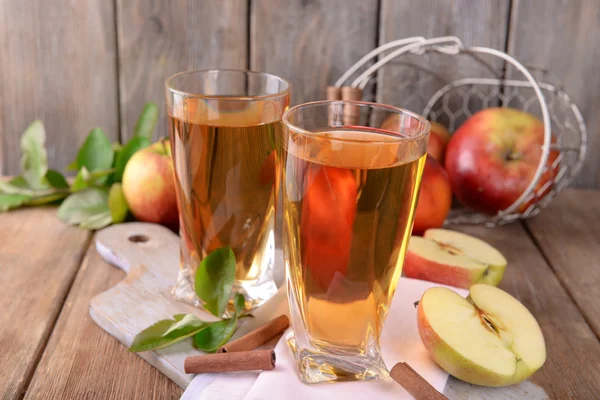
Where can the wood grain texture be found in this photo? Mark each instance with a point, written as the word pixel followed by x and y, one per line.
pixel 58 64
pixel 81 361
pixel 144 297
pixel 571 369
pixel 568 233
pixel 563 38
pixel 159 39
pixel 36 274
pixel 411 80
pixel 311 43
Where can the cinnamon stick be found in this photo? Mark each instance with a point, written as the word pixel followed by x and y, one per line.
pixel 414 383
pixel 257 337
pixel 334 93
pixel 231 362
pixel 351 112
pixel 351 93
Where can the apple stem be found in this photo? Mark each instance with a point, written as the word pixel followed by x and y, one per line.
pixel 512 156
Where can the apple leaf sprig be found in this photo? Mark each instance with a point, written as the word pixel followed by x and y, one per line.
pixel 214 284
pixel 95 197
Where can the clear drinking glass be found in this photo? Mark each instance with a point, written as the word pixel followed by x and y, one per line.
pixel 224 126
pixel 350 180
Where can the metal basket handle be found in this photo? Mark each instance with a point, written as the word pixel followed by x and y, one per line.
pixel 453 45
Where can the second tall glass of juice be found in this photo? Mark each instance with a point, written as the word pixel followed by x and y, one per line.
pixel 350 180
pixel 224 126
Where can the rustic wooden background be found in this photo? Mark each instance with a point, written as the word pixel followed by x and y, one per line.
pixel 80 64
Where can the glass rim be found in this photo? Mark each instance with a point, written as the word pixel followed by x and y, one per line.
pixel 171 88
pixel 396 110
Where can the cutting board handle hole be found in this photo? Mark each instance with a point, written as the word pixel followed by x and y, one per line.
pixel 136 238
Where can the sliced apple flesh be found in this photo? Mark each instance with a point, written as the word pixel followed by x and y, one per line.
pixel 453 258
pixel 488 339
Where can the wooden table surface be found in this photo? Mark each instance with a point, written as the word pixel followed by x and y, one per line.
pixel 51 349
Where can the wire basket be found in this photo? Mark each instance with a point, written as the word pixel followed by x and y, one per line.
pixel 449 82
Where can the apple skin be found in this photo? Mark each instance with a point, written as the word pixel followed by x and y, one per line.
pixel 435 198
pixel 438 136
pixel 417 267
pixel 457 364
pixel 328 214
pixel 493 156
pixel 149 185
pixel 438 140
pixel 453 258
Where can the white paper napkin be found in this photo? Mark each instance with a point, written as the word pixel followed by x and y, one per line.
pixel 399 342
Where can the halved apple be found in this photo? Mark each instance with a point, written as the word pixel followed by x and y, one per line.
pixel 453 258
pixel 488 339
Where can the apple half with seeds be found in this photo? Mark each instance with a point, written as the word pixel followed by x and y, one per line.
pixel 488 339
pixel 453 258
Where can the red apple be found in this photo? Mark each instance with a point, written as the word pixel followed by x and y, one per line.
pixel 435 198
pixel 328 213
pixel 149 185
pixel 438 140
pixel 453 258
pixel 493 156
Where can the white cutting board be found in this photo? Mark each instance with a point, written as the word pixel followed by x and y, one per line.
pixel 149 255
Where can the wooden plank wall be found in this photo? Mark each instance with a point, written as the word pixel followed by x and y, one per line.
pixel 58 63
pixel 78 65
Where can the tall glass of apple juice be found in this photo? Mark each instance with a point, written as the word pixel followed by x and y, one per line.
pixel 350 180
pixel 224 126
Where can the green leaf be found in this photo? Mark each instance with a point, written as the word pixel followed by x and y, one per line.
pixel 167 332
pixel 73 166
pixel 144 127
pixel 56 179
pixel 81 180
pixel 239 302
pixel 48 198
pixel 12 200
pixel 116 149
pixel 82 205
pixel 10 188
pixel 214 280
pixel 96 221
pixel 31 197
pixel 34 161
pixel 96 153
pixel 19 182
pixel 215 335
pixel 135 144
pixel 85 178
pixel 117 203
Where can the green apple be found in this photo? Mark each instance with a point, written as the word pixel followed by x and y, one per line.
pixel 488 339
pixel 453 258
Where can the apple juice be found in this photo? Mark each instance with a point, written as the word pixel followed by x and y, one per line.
pixel 348 213
pixel 225 176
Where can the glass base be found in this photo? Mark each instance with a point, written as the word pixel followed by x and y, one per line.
pixel 255 293
pixel 317 367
